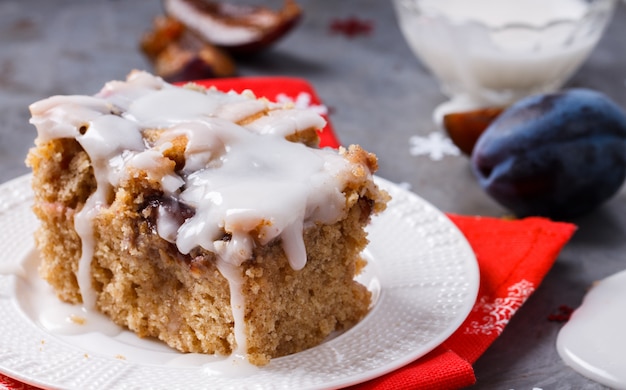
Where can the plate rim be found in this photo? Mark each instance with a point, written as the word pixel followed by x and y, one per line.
pixel 21 198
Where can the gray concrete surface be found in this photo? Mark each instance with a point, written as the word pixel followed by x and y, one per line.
pixel 380 96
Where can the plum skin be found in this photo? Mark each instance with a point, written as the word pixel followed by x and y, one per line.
pixel 556 155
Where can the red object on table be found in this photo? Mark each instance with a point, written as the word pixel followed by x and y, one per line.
pixel 513 257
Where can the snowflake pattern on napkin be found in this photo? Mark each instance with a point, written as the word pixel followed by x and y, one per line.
pixel 303 100
pixel 500 310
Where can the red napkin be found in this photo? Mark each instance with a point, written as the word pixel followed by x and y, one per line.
pixel 513 257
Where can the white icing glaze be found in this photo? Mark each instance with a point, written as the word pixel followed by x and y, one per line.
pixel 8 268
pixel 284 178
pixel 169 106
pixel 282 122
pixel 96 334
pixel 593 341
pixel 233 274
pixel 247 184
pixel 62 116
pixel 106 137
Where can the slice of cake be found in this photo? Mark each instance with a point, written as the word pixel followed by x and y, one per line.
pixel 206 219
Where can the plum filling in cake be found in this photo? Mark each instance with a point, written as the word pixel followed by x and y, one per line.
pixel 156 205
pixel 203 218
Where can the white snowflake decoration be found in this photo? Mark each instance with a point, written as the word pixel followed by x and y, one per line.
pixel 435 145
pixel 302 101
pixel 499 312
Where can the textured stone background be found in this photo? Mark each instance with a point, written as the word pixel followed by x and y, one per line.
pixel 379 95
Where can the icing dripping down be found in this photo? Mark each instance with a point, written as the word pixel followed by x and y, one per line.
pixel 233 274
pixel 243 181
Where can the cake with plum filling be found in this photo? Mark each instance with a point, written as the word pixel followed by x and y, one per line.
pixel 207 219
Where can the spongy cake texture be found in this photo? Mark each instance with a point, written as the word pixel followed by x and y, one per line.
pixel 142 280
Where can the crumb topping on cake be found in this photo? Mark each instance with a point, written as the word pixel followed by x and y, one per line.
pixel 226 158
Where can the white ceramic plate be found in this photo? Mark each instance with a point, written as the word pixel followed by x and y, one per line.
pixel 422 272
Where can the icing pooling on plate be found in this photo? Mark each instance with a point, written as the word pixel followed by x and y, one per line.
pixel 413 248
pixel 593 341
pixel 225 163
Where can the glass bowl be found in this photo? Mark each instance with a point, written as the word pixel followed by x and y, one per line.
pixel 494 52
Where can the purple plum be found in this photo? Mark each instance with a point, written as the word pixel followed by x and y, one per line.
pixel 557 155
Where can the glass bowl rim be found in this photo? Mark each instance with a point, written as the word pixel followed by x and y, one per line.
pixel 595 7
